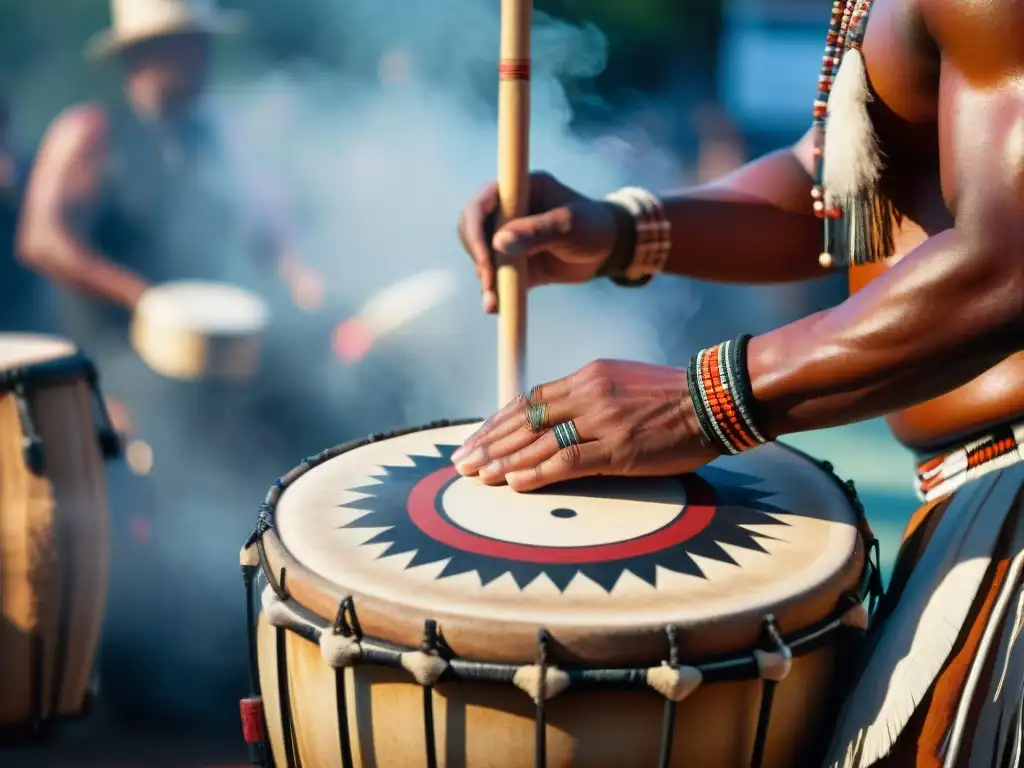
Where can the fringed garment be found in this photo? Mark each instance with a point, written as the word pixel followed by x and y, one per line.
pixel 941 679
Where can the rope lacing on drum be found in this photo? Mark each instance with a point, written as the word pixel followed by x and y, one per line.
pixel 427 667
pixel 109 440
pixel 340 646
pixel 773 666
pixel 32 447
pixel 263 524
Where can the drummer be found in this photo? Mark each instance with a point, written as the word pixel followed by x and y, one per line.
pixel 118 198
pixel 931 339
pixel 124 195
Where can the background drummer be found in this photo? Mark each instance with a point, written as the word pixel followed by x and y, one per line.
pixel 127 193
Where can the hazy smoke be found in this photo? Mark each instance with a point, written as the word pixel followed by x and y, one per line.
pixel 372 169
pixel 377 172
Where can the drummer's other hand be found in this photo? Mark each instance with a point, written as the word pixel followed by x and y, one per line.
pixel 631 419
pixel 307 287
pixel 566 237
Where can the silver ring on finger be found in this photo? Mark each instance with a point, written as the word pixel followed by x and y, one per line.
pixel 566 434
pixel 537 416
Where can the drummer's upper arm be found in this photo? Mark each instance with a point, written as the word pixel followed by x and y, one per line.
pixel 803 151
pixel 64 184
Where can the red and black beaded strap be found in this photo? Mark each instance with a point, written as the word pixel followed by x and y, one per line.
pixel 722 396
pixel 944 473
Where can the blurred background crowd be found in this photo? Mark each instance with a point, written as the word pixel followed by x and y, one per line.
pixel 363 126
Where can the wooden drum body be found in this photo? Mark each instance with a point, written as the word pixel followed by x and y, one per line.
pixel 53 529
pixel 411 617
pixel 193 330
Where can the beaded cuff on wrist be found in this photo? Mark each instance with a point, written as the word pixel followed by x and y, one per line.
pixel 652 238
pixel 722 396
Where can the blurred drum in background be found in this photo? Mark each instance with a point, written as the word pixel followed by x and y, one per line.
pixel 53 528
pixel 414 617
pixel 392 309
pixel 192 330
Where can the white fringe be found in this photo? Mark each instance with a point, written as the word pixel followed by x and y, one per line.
pixel 917 638
pixel 997 722
pixel 852 160
pixel 995 630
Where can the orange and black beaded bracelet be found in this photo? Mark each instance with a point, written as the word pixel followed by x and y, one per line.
pixel 722 398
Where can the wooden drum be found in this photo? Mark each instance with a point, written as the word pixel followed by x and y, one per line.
pixel 192 330
pixel 53 528
pixel 411 617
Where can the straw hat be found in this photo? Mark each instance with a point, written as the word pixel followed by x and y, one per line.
pixel 134 21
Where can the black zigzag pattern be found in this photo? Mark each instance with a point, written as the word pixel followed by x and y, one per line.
pixel 738 505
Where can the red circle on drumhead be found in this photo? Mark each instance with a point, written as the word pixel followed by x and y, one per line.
pixel 425 496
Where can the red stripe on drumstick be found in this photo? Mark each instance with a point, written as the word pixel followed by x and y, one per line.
pixel 514 69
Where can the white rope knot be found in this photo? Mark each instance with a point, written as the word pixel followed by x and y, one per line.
pixel 856 618
pixel 249 557
pixel 274 608
pixel 774 665
pixel 528 680
pixel 339 651
pixel 426 668
pixel 674 683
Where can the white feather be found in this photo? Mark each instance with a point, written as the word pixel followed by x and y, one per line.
pixel 852 161
pixel 916 640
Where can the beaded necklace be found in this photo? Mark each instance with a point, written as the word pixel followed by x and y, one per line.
pixel 856 230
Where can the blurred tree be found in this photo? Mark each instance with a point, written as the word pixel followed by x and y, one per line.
pixel 650 43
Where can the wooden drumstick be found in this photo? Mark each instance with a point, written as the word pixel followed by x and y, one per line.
pixel 513 189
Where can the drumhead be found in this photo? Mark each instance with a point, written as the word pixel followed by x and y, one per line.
pixel 394 525
pixel 20 349
pixel 206 307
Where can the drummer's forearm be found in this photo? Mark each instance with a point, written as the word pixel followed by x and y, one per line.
pixel 65 260
pixel 754 226
pixel 939 318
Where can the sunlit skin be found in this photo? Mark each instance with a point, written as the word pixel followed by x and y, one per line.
pixel 163 79
pixel 927 339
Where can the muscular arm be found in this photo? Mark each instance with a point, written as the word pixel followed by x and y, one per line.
pixel 755 225
pixel 59 203
pixel 943 315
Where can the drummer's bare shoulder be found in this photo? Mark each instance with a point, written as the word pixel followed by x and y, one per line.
pixel 65 178
pixel 952 307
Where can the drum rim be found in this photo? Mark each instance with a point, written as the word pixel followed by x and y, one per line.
pixel 52 371
pixel 319 597
pixel 163 292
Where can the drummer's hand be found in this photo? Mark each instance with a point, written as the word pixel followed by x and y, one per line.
pixel 565 240
pixel 632 419
pixel 306 286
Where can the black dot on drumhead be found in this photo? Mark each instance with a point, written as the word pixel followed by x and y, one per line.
pixel 563 513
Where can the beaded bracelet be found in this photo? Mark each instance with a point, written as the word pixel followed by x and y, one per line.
pixel 650 241
pixel 722 396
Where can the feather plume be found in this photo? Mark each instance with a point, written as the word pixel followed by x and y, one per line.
pixel 852 170
pixel 852 158
pixel 915 641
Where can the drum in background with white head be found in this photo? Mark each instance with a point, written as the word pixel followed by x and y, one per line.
pixel 414 617
pixel 192 329
pixel 53 528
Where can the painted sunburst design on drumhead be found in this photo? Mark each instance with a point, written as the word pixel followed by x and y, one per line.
pixel 713 508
